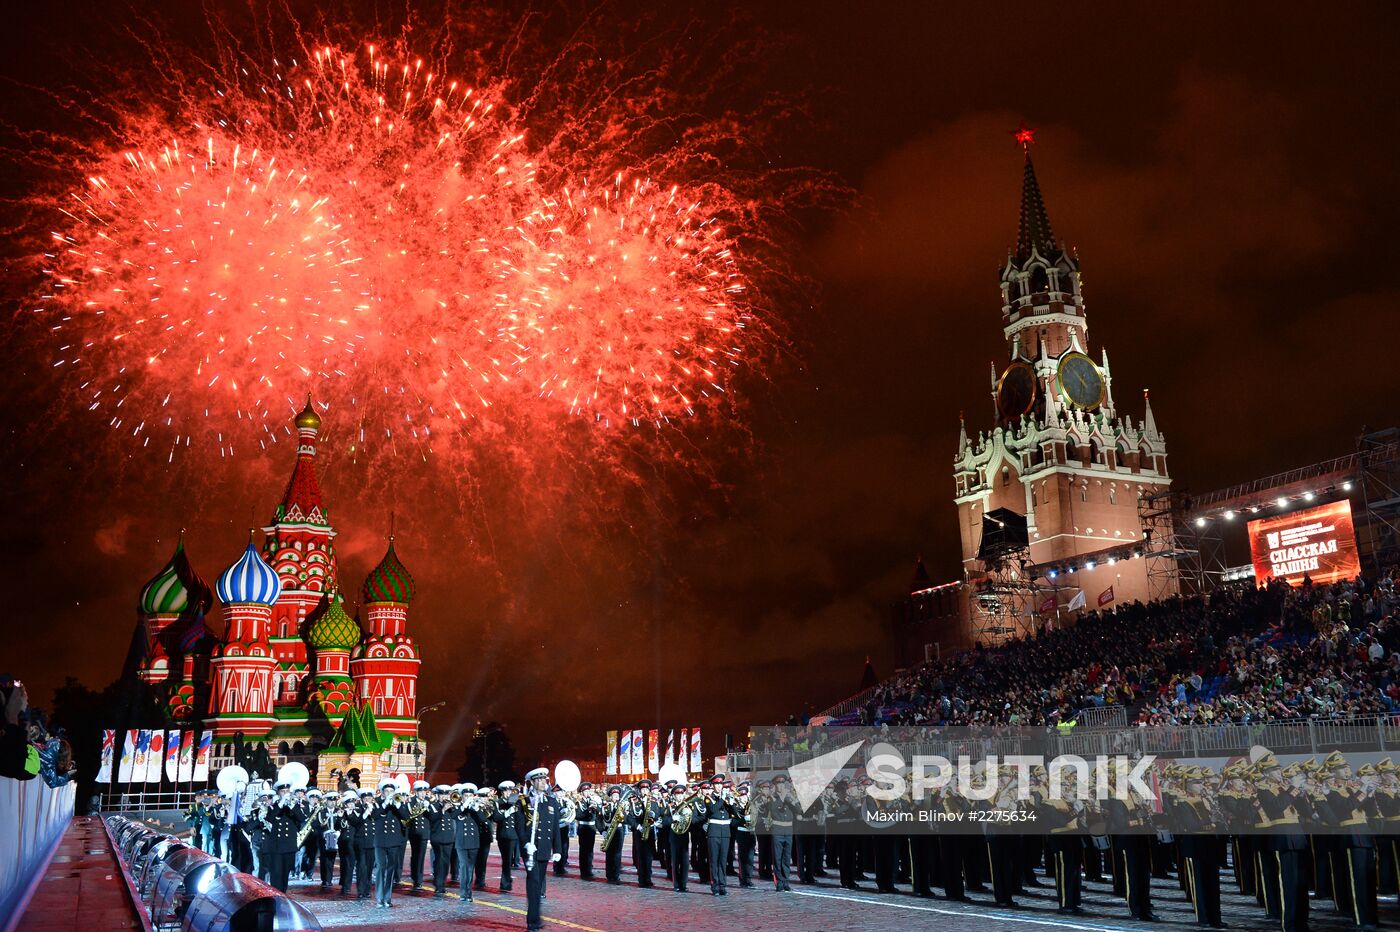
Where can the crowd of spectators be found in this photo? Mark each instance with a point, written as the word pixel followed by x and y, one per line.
pixel 27 748
pixel 1241 654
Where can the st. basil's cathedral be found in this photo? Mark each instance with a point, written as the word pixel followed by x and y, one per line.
pixel 292 669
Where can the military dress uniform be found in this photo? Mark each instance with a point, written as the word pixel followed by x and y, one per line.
pixel 744 835
pixel 717 815
pixel 587 822
pixel 643 817
pixel 508 835
pixel 675 821
pixel 386 833
pixel 489 826
pixel 781 814
pixel 442 817
pixel 284 821
pixel 327 819
pixel 540 811
pixel 419 831
pixel 614 823
pixel 1200 853
pixel 358 844
pixel 1283 812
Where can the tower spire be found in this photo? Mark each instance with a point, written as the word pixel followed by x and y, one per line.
pixel 1034 232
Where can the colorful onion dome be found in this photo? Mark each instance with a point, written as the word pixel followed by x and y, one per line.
pixel 170 591
pixel 250 580
pixel 334 629
pixel 308 418
pixel 389 581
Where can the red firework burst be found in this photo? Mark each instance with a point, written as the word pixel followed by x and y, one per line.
pixel 361 226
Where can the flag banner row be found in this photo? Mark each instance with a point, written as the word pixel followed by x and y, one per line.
pixel 150 755
pixel 637 752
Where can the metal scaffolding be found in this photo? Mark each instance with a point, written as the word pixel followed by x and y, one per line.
pixel 1378 471
pixel 1184 556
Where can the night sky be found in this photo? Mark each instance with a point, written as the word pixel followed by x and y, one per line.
pixel 1228 176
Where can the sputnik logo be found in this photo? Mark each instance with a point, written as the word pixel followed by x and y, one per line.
pixel 811 778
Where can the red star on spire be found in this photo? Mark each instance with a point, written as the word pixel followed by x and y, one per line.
pixel 1024 135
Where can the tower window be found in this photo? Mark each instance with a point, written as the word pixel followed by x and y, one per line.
pixel 1084 491
pixel 1113 495
pixel 1005 476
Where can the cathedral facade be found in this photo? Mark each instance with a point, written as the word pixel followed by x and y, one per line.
pixel 292 669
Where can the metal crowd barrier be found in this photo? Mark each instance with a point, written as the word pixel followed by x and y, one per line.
pixel 183 888
pixel 1300 736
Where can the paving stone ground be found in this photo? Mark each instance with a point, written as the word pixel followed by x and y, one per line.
pixel 595 905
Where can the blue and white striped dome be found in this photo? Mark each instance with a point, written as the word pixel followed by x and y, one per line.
pixel 249 580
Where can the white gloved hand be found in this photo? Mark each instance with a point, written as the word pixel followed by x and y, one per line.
pixel 530 850
pixel 554 857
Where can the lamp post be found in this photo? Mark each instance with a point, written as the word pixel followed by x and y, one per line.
pixel 418 737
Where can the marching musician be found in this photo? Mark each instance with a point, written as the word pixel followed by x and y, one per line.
pixel 282 820
pixel 488 831
pixel 419 831
pixel 509 830
pixel 717 810
pixel 387 818
pixel 781 812
pixel 744 833
pixel 360 860
pixel 217 825
pixel 568 812
pixel 325 828
pixel 540 812
pixel 345 838
pixel 467 821
pixel 255 827
pixel 1128 822
pixel 587 820
pixel 196 817
pixel 442 816
pixel 310 802
pixel 643 816
pixel 675 822
pixel 614 814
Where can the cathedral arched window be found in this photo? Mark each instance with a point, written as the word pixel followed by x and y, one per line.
pixel 1083 491
pixel 1005 476
pixel 1113 494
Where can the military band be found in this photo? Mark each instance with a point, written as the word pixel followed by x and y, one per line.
pixel 1292 835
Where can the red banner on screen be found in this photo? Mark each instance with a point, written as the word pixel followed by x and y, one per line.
pixel 1318 543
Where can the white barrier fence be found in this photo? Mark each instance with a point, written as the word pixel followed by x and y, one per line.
pixel 33 817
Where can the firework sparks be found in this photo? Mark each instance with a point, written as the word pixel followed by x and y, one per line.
pixel 361 225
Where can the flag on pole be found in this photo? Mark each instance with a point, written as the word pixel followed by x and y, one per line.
pixel 624 758
pixel 669 756
pixel 104 770
pixel 155 756
pixel 653 752
pixel 201 757
pixel 683 752
pixel 638 762
pixel 143 747
pixel 128 757
pixel 1077 602
pixel 695 760
pixel 172 755
pixel 186 756
pixel 610 766
pixel 1048 604
pixel 1106 596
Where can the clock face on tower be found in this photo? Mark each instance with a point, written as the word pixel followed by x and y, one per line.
pixel 1016 391
pixel 1080 381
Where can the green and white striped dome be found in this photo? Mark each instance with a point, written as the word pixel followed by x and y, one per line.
pixel 175 588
